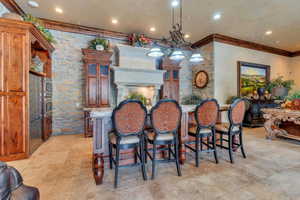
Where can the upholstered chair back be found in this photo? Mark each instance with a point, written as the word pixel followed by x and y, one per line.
pixel 206 114
pixel 237 112
pixel 166 116
pixel 129 117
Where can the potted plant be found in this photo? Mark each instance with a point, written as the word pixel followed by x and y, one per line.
pixel 137 96
pixel 99 44
pixel 292 101
pixel 279 87
pixel 191 100
pixel 39 24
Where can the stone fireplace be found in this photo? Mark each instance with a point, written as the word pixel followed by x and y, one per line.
pixel 136 73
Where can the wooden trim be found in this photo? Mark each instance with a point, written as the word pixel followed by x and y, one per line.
pixel 204 41
pixel 241 63
pixel 12 6
pixel 42 74
pixel 74 28
pixel 241 43
pixel 296 53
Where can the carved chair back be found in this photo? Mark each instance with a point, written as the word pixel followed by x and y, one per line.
pixel 166 116
pixel 237 112
pixel 206 113
pixel 129 118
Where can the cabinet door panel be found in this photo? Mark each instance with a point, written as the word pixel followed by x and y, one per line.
pixel 2 147
pixel 15 129
pixel 2 35
pixel 92 91
pixel 104 91
pixel 15 70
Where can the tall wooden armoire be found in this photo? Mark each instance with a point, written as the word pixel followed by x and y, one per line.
pixel 170 88
pixel 97 82
pixel 17 40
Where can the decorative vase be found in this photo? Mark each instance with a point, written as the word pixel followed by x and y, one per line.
pixel 261 91
pixel 99 47
pixel 296 104
pixel 280 92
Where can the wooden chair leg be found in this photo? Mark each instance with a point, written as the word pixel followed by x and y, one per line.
pixel 242 145
pixel 197 151
pixel 153 160
pixel 215 147
pixel 169 151
pixel 135 155
pixel 230 148
pixel 117 166
pixel 110 155
pixel 146 150
pixel 142 154
pixel 176 148
pixel 221 140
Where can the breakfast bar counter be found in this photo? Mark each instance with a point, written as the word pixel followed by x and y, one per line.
pixel 102 125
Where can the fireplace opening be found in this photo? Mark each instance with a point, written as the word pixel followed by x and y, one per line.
pixel 144 93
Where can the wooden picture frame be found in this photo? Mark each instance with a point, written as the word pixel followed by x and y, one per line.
pixel 256 67
pixel 206 80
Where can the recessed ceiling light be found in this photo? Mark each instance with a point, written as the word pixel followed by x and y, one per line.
pixel 186 36
pixel 59 10
pixel 114 21
pixel 152 29
pixel 33 4
pixel 217 16
pixel 268 32
pixel 175 3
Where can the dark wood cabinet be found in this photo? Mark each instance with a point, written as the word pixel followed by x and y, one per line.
pixel 170 88
pixel 97 83
pixel 97 70
pixel 17 38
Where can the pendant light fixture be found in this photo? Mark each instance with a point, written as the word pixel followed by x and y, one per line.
pixel 196 57
pixel 176 41
pixel 155 52
pixel 177 55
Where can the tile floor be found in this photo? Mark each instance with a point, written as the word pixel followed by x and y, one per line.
pixel 61 169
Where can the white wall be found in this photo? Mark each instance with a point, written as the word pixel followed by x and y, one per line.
pixel 295 75
pixel 225 62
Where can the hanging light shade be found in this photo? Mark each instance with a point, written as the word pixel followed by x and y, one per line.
pixel 177 55
pixel 196 57
pixel 155 52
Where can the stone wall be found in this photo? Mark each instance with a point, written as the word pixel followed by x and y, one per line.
pixel 207 65
pixel 68 82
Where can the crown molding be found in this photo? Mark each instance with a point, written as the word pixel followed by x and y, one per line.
pixel 74 28
pixel 296 53
pixel 12 6
pixel 243 43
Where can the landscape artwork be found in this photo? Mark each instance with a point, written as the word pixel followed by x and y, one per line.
pixel 252 77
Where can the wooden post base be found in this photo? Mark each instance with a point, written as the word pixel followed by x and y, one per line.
pixel 98 168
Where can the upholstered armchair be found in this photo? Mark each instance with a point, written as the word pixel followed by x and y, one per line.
pixel 12 187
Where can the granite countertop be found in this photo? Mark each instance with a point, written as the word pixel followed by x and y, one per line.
pixel 107 112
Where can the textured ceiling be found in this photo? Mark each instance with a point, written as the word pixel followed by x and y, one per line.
pixel 243 19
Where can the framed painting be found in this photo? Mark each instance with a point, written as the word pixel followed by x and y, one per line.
pixel 251 76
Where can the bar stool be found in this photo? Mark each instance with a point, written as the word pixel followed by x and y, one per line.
pixel 233 128
pixel 165 119
pixel 128 120
pixel 206 116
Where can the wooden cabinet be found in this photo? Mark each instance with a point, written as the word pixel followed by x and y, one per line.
pixel 16 40
pixel 97 80
pixel 170 88
pixel 97 83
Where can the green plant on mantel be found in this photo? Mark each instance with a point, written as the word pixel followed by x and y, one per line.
pixel 279 82
pixel 38 23
pixel 137 96
pixel 99 41
pixel 191 100
pixel 293 96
